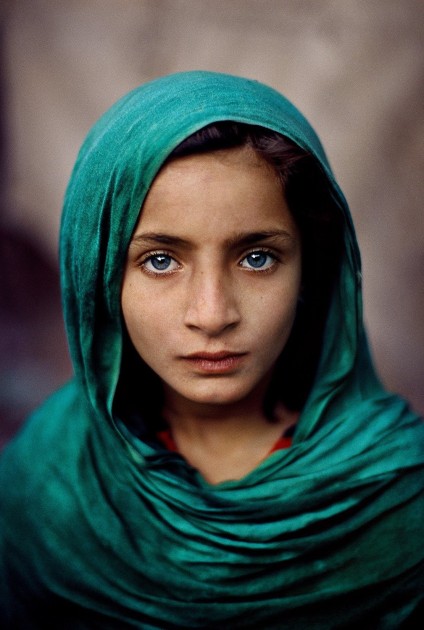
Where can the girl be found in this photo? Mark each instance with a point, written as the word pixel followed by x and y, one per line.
pixel 225 456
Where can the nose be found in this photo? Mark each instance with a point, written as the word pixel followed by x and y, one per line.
pixel 212 305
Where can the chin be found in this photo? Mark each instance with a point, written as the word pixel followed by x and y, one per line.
pixel 217 395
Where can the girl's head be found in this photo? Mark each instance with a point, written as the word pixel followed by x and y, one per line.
pixel 230 271
pixel 192 124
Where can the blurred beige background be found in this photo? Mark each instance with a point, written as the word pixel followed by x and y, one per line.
pixel 355 69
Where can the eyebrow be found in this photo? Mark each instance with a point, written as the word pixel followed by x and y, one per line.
pixel 249 238
pixel 154 238
pixel 240 239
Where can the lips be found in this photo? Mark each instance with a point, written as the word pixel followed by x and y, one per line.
pixel 215 362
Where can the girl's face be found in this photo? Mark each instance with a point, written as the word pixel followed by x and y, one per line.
pixel 212 277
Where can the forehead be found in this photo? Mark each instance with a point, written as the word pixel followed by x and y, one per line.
pixel 221 189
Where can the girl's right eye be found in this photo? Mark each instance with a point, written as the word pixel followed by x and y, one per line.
pixel 159 263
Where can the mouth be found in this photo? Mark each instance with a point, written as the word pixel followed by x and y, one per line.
pixel 215 362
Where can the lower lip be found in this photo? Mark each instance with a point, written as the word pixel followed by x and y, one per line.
pixel 217 366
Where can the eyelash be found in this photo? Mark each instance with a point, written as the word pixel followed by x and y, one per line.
pixel 150 256
pixel 258 250
pixel 261 250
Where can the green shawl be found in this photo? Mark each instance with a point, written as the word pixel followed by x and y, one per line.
pixel 100 529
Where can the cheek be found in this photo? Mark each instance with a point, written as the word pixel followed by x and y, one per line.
pixel 148 319
pixel 134 307
pixel 280 322
pixel 277 314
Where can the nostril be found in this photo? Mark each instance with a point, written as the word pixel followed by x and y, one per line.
pixel 212 315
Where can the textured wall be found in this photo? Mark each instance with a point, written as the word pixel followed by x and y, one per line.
pixel 354 68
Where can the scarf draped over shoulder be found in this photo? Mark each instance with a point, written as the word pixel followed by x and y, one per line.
pixel 101 529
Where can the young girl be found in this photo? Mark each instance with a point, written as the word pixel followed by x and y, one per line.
pixel 225 456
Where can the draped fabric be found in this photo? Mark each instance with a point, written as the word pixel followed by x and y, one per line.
pixel 102 529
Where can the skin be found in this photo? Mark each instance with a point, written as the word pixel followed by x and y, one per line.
pixel 209 297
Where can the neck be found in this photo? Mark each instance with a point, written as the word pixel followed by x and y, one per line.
pixel 225 441
pixel 201 419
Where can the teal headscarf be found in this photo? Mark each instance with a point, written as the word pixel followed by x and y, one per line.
pixel 100 529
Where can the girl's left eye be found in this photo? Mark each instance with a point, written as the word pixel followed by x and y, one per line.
pixel 260 260
pixel 159 263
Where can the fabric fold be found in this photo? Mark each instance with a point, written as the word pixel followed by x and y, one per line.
pixel 104 529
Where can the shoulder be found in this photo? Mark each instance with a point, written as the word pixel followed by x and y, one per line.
pixel 51 432
pixel 38 478
pixel 39 462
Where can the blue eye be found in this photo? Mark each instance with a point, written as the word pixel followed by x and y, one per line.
pixel 258 260
pixel 160 262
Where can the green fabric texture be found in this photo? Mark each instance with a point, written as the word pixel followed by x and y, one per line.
pixel 100 529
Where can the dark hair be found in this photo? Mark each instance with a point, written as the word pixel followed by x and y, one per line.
pixel 320 223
